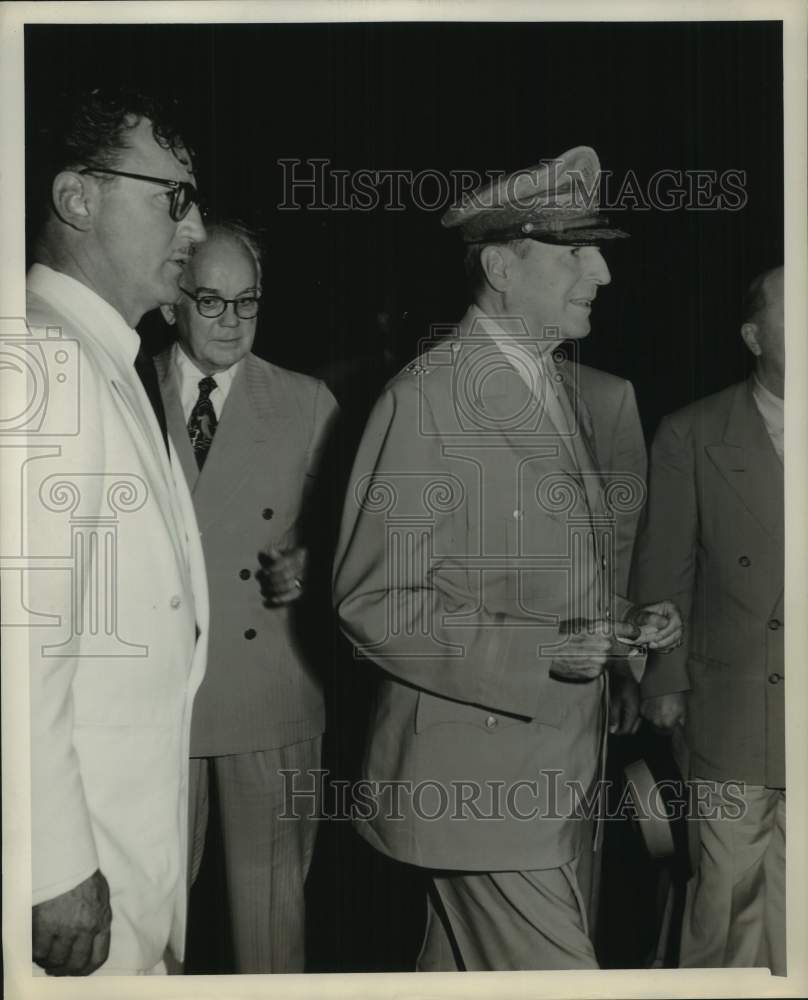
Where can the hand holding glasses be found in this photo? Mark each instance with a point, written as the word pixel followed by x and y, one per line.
pixel 660 625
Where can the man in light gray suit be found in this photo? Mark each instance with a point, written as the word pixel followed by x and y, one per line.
pixel 249 435
pixel 714 542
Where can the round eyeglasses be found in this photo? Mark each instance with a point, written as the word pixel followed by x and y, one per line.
pixel 211 306
pixel 183 193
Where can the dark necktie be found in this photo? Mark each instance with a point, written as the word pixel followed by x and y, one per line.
pixel 144 366
pixel 202 422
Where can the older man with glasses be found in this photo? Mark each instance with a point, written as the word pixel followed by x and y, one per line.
pixel 249 436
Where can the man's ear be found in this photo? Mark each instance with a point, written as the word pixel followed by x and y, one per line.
pixel 749 335
pixel 168 314
pixel 495 264
pixel 74 199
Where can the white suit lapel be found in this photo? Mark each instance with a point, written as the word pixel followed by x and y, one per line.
pixel 153 454
pixel 175 417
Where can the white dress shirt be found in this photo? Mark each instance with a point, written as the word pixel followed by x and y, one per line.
pixel 771 410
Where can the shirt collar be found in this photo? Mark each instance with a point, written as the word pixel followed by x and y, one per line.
pixel 508 333
pixel 87 309
pixel 770 406
pixel 188 369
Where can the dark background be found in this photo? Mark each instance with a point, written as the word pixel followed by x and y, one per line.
pixel 451 96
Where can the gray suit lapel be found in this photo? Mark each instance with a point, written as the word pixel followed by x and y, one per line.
pixel 748 462
pixel 251 424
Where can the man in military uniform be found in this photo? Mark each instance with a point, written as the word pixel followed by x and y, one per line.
pixel 477 567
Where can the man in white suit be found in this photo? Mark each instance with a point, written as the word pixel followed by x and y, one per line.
pixel 114 671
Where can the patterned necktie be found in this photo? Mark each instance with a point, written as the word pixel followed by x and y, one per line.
pixel 202 422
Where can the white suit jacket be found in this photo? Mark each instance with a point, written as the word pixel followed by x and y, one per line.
pixel 119 593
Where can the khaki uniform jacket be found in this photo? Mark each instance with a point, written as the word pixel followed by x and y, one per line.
pixel 466 539
pixel 713 542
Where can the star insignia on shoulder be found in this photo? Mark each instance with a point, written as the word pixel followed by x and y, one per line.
pixel 416 368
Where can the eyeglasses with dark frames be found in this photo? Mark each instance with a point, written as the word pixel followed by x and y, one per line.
pixel 211 306
pixel 183 193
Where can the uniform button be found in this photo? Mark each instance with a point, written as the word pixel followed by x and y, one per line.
pixel 245 574
pixel 267 513
pixel 250 633
pixel 491 722
pixel 745 561
pixel 175 601
pixel 608 613
pixel 517 514
pixel 775 678
pixel 774 624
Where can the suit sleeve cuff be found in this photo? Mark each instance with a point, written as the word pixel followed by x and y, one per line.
pixel 665 674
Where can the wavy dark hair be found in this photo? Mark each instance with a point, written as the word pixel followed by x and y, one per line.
pixel 90 127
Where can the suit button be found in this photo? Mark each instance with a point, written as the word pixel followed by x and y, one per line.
pixel 245 574
pixel 491 722
pixel 250 633
pixel 745 561
pixel 774 624
pixel 267 513
pixel 775 678
pixel 518 515
pixel 175 601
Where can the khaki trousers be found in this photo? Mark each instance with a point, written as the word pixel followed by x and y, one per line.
pixel 735 906
pixel 266 858
pixel 507 920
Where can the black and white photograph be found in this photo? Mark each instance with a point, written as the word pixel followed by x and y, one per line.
pixel 402 559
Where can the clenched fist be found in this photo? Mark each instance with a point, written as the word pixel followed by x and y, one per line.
pixel 71 931
pixel 665 711
pixel 280 575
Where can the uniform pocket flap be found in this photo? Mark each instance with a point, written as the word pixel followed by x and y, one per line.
pixel 433 710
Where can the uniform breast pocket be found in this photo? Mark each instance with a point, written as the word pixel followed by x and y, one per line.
pixel 539 563
pixel 434 711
